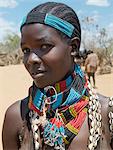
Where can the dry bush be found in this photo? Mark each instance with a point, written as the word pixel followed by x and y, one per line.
pixel 105 69
pixel 14 58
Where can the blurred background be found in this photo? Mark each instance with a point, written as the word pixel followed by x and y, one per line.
pixel 96 18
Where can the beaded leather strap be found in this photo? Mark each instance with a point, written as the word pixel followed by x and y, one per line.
pixel 110 115
pixel 95 119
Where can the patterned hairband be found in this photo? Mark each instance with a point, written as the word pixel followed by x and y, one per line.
pixel 51 20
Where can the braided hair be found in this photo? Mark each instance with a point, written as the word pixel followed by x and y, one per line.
pixel 62 11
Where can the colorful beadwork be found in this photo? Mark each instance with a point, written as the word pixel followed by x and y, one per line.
pixel 65 118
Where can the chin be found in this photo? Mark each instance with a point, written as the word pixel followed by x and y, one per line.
pixel 41 84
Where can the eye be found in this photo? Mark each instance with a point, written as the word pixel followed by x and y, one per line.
pixel 26 50
pixel 46 46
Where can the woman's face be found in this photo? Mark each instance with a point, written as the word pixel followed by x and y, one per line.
pixel 46 56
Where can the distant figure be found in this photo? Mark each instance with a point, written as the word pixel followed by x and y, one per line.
pixel 91 64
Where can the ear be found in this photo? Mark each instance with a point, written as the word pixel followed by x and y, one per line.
pixel 75 44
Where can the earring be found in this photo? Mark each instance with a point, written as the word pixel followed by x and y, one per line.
pixel 73 54
pixel 74 50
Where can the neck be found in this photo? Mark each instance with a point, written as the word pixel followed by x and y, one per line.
pixel 69 73
pixel 62 85
pixel 64 93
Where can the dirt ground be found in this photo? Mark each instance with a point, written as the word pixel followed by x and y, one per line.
pixel 15 81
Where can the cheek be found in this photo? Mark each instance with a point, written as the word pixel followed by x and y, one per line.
pixel 55 57
pixel 58 58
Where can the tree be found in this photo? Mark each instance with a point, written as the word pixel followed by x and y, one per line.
pixel 106 44
pixel 97 39
pixel 12 42
pixel 10 52
pixel 88 37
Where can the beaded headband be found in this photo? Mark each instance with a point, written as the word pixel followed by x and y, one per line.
pixel 51 20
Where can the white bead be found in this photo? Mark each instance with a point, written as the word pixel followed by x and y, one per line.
pixel 95 143
pixel 99 117
pixel 94 101
pixel 95 127
pixel 99 131
pixel 94 107
pixel 91 98
pixel 111 121
pixel 96 96
pixel 91 138
pixel 110 114
pixel 35 127
pixel 99 124
pixel 36 145
pixel 35 121
pixel 93 124
pixel 96 137
pixel 94 113
pixel 111 98
pixel 36 136
pixel 90 146
pixel 89 110
pixel 110 103
pixel 90 103
pixel 111 127
pixel 92 131
pixel 90 117
pixel 32 126
pixel 89 85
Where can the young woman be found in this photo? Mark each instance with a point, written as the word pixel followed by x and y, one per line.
pixel 62 111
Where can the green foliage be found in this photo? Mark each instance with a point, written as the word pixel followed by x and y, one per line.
pixel 10 52
pixel 11 43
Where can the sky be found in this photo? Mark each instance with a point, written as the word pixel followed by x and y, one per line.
pixel 13 11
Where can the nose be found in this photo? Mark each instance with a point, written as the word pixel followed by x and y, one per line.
pixel 33 58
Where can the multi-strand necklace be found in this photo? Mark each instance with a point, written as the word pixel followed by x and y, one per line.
pixel 55 121
pixel 110 115
pixel 94 113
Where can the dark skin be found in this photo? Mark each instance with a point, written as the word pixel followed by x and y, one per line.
pixel 45 56
pixel 48 59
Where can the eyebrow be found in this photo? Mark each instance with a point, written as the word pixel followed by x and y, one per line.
pixel 41 39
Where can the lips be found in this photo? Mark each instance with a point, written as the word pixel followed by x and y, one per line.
pixel 37 73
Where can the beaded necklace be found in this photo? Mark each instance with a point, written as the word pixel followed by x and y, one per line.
pixel 60 129
pixel 94 114
pixel 110 115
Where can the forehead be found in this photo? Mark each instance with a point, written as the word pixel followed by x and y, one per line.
pixel 38 31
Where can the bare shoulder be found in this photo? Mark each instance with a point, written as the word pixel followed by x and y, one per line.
pixel 13 113
pixel 11 126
